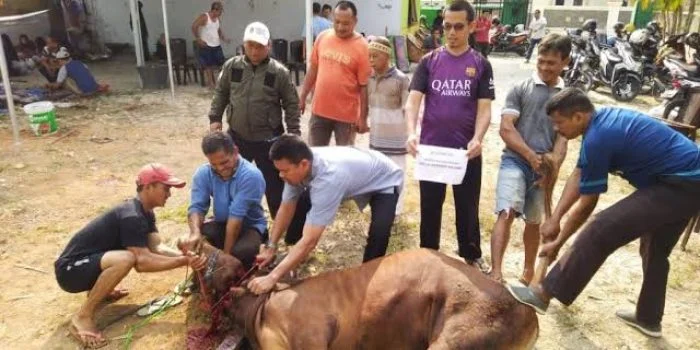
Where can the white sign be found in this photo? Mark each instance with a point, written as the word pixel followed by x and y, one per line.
pixel 440 164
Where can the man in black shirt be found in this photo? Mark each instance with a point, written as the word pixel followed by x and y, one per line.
pixel 100 255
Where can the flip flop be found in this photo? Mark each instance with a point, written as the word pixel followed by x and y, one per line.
pixel 85 338
pixel 158 304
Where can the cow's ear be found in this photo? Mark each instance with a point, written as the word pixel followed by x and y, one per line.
pixel 238 291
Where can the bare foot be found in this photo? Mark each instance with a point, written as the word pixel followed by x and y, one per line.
pixel 83 329
pixel 526 277
pixel 114 295
pixel 496 277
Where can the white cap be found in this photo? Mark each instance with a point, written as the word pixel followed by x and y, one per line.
pixel 62 53
pixel 257 32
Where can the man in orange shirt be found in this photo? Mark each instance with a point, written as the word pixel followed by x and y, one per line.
pixel 338 75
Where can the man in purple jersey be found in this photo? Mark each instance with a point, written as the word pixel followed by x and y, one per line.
pixel 457 83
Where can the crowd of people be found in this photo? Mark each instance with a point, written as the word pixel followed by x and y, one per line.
pixel 53 61
pixel 356 90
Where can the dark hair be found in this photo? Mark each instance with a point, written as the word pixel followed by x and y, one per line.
pixel 345 4
pixel 316 8
pixel 216 141
pixel 217 5
pixel 556 43
pixel 292 148
pixel 462 5
pixel 326 7
pixel 569 101
pixel 139 188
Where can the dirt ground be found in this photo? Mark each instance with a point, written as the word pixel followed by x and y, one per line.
pixel 51 186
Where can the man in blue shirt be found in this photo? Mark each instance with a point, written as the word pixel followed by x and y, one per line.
pixel 318 23
pixel 236 188
pixel 663 165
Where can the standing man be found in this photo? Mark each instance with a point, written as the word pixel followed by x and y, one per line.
pixel 208 35
pixel 537 27
pixel 257 89
pixel 317 181
pixel 483 26
pixel 661 163
pixel 327 12
pixel 339 74
pixel 101 254
pixel 529 135
pixel 457 83
pixel 236 188
pixel 318 23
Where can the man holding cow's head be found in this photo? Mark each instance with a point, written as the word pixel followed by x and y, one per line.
pixel 316 182
pixel 661 163
pixel 235 186
pixel 101 254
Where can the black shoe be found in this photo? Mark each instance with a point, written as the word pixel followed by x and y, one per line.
pixel 630 318
pixel 526 296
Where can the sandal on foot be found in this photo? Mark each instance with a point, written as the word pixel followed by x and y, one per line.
pixel 87 339
pixel 158 304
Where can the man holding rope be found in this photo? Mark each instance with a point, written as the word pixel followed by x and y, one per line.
pixel 661 163
pixel 100 255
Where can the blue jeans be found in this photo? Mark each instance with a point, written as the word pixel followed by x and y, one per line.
pixel 533 43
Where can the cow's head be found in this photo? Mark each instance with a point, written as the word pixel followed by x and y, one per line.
pixel 222 271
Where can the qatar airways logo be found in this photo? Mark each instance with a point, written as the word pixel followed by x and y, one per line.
pixel 452 87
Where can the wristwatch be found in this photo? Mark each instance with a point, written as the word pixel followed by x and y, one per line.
pixel 271 245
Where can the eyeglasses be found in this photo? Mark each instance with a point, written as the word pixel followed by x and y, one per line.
pixel 458 27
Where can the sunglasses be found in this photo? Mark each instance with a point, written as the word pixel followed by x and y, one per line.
pixel 458 27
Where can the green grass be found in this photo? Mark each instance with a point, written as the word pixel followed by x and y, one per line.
pixel 176 214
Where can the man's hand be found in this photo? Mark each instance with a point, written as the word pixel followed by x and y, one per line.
pixel 201 43
pixel 197 262
pixel 412 144
pixel 266 256
pixel 260 285
pixel 535 161
pixel 215 126
pixel 550 230
pixel 302 104
pixel 362 126
pixel 188 243
pixel 473 149
pixel 550 250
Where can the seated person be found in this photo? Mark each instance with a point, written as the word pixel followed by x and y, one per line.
pixel 48 64
pixel 26 47
pixel 100 255
pixel 236 187
pixel 75 76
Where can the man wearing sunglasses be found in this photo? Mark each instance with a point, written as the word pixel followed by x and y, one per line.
pixel 457 84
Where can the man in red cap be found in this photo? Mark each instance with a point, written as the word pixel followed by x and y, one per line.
pixel 100 255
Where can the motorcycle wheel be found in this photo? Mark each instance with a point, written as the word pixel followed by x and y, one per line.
pixel 579 80
pixel 522 49
pixel 676 105
pixel 658 89
pixel 626 87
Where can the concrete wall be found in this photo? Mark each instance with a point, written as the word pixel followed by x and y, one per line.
pixel 573 16
pixel 285 18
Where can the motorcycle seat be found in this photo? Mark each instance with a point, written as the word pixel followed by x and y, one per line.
pixel 690 68
pixel 693 79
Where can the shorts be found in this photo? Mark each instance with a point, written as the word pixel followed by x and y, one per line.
pixel 79 274
pixel 211 56
pixel 516 190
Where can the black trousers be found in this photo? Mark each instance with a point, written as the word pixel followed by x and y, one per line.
pixel 383 207
pixel 247 245
pixel 484 48
pixel 50 77
pixel 259 152
pixel 657 215
pixel 466 197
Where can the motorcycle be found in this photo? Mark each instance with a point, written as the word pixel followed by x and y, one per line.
pixel 577 74
pixel 676 100
pixel 503 39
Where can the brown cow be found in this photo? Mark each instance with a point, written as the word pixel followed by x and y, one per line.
pixel 415 299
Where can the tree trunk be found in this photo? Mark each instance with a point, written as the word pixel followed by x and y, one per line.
pixel 691 15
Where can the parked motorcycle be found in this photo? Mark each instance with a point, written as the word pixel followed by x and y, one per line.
pixel 677 100
pixel 619 70
pixel 504 39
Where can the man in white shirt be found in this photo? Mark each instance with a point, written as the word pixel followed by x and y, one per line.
pixel 537 29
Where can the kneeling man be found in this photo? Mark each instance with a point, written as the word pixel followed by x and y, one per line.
pixel 316 182
pixel 100 255
pixel 235 186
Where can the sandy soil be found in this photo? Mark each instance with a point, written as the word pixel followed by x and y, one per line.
pixel 50 187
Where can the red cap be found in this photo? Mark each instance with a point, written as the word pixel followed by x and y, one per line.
pixel 156 172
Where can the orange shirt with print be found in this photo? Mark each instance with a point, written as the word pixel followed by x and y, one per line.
pixel 343 68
